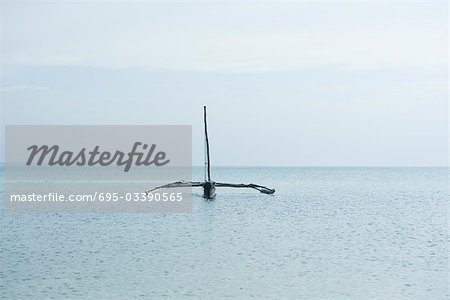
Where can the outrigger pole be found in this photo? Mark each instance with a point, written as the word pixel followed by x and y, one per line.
pixel 209 186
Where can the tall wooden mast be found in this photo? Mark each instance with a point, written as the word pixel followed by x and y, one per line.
pixel 207 145
pixel 209 187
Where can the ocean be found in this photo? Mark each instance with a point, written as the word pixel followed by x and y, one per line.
pixel 327 233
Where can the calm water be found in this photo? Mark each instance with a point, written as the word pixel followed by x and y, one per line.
pixel 327 233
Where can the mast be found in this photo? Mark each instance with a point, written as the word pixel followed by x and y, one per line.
pixel 207 145
pixel 209 187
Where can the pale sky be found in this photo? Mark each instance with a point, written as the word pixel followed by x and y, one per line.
pixel 288 83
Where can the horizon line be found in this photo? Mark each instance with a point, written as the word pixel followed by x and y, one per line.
pixel 314 166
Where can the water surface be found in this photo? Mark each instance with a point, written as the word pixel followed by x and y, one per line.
pixel 327 233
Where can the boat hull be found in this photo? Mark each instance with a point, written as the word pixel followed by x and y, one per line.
pixel 209 190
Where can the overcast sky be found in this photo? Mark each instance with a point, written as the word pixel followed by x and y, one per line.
pixel 286 83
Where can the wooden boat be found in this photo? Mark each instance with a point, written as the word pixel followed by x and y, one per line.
pixel 209 186
pixel 209 189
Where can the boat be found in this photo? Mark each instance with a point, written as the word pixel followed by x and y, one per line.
pixel 209 186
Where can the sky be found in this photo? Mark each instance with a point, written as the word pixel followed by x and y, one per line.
pixel 289 83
